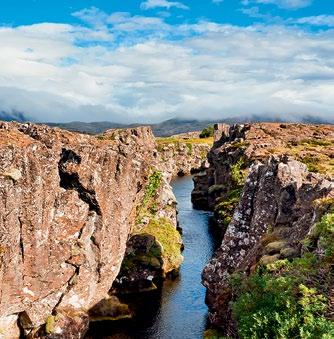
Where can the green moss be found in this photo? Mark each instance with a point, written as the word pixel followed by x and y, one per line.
pixel 237 172
pixel 216 188
pixel 239 144
pixel 190 149
pixel 312 163
pixel 317 142
pixel 169 238
pixel 275 247
pixel 324 232
pixel 225 209
pixel 50 324
pixel 149 205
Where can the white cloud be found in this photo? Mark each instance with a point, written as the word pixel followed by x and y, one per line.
pixel 142 69
pixel 150 4
pixel 318 20
pixel 287 4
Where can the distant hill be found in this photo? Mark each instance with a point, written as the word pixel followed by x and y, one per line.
pixel 88 127
pixel 174 126
pixel 163 129
pixel 12 116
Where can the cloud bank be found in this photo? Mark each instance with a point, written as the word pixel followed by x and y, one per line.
pixel 127 68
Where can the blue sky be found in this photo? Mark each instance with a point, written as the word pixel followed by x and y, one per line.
pixel 18 12
pixel 149 60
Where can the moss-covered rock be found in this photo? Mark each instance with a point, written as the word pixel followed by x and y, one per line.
pixel 269 259
pixel 109 309
pixel 275 247
pixel 170 241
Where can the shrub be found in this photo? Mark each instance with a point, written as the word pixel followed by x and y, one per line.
pixel 237 172
pixel 207 132
pixel 286 299
pixel 279 307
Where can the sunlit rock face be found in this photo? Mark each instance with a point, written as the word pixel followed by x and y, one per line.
pixel 260 178
pixel 68 203
pixel 278 197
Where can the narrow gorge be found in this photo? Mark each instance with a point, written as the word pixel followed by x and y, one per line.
pixel 92 243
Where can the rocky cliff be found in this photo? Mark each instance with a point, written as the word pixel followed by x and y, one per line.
pixel 154 252
pixel 236 147
pixel 274 267
pixel 68 203
pixel 182 154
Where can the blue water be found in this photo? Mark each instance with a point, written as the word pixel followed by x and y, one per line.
pixel 177 310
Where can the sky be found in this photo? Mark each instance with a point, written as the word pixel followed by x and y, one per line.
pixel 151 60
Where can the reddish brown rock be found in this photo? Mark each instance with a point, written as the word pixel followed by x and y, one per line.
pixel 67 205
pixel 278 195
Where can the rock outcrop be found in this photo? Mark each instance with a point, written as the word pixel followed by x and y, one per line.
pixel 154 247
pixel 261 185
pixel 278 199
pixel 236 147
pixel 68 203
pixel 182 154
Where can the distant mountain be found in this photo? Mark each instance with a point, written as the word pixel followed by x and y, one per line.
pixel 163 129
pixel 12 116
pixel 88 127
pixel 174 126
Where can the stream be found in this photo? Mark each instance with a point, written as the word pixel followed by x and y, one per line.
pixel 177 310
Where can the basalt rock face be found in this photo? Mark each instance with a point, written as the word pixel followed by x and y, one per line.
pixel 236 147
pixel 278 198
pixel 68 203
pixel 182 154
pixel 154 246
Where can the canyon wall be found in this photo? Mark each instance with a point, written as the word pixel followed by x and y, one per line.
pixel 68 203
pixel 267 203
pixel 182 154
pixel 77 212
pixel 155 252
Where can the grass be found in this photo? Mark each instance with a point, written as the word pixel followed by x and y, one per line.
pixel 314 153
pixel 173 140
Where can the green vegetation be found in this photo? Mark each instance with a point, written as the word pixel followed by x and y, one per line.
pixel 207 132
pixel 169 239
pixel 163 142
pixel 316 154
pixel 317 142
pixel 50 324
pixel 149 206
pixel 238 174
pixel 286 299
pixel 190 148
pixel 312 163
pixel 224 210
pixel 154 182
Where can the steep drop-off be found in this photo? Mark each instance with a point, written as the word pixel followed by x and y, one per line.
pixel 68 203
pixel 74 208
pixel 273 271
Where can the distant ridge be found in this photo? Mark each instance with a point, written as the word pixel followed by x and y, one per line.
pixel 175 126
pixel 12 116
pixel 163 129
